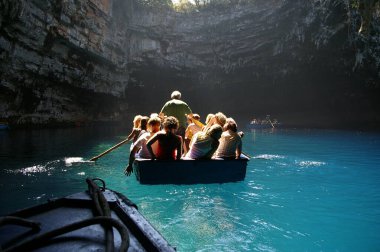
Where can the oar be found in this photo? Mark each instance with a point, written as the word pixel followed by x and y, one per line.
pixel 109 150
pixel 245 154
pixel 197 122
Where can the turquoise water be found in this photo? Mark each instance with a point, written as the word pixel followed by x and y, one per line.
pixel 305 190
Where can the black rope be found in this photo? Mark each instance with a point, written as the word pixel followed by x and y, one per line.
pixel 102 208
pixel 103 188
pixel 93 190
pixel 11 220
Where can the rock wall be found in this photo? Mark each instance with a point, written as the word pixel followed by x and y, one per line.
pixel 301 61
pixel 72 61
pixel 61 62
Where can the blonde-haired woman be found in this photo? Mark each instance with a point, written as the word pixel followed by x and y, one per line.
pixel 204 144
pixel 136 130
pixel 230 146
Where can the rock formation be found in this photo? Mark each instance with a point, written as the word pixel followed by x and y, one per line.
pixel 72 61
pixel 61 62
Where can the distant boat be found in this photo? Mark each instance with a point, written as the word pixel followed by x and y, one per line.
pixel 259 126
pixel 190 171
pixel 266 123
pixel 69 224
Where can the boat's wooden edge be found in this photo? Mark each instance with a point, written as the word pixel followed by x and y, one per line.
pixel 190 171
pixel 243 158
pixel 141 228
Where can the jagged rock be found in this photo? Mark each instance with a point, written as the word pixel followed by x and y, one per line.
pixel 69 61
pixel 59 47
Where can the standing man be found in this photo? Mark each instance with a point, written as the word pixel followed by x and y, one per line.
pixel 179 109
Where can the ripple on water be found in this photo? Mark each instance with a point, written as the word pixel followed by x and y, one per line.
pixel 69 161
pixel 269 157
pixel 32 169
pixel 51 166
pixel 302 191
pixel 310 163
pixel 37 169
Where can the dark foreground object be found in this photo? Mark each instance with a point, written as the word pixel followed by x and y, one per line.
pixel 117 225
pixel 4 126
pixel 190 171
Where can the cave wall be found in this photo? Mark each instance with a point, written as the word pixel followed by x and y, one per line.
pixel 61 62
pixel 99 60
pixel 303 62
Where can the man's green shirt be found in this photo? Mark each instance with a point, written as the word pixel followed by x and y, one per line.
pixel 178 109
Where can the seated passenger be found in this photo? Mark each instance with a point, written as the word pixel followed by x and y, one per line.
pixel 140 145
pixel 141 130
pixel 230 146
pixel 204 144
pixel 191 129
pixel 208 118
pixel 136 129
pixel 153 115
pixel 169 144
pixel 219 118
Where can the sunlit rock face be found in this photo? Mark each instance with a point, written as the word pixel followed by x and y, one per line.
pixel 300 61
pixel 61 62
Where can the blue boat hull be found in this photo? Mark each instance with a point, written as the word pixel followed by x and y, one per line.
pixel 189 171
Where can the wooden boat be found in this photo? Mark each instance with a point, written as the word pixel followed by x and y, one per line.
pixel 263 124
pixel 259 126
pixel 68 224
pixel 190 171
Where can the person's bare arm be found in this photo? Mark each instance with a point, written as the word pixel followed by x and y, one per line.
pixel 239 148
pixel 193 140
pixel 179 148
pixel 129 169
pixel 150 142
pixel 195 121
pixel 132 134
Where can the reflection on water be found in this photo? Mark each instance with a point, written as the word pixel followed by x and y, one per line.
pixel 304 189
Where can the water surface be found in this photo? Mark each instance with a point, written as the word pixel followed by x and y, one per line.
pixel 305 190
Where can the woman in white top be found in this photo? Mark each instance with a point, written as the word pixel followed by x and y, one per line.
pixel 230 144
pixel 204 144
pixel 139 146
